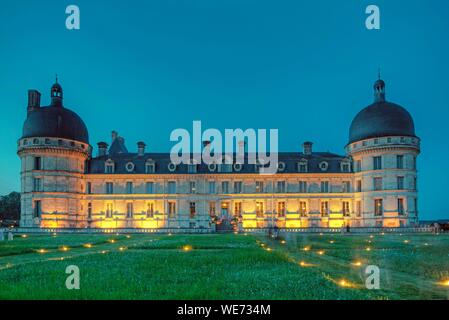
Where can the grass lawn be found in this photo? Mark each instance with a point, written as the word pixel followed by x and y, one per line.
pixel 224 266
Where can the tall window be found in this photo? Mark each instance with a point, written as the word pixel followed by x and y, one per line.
pixel 89 210
pixel 129 210
pixel 414 164
pixel 377 182
pixel 324 208
pixel 171 209
pixel 280 187
pixel 359 185
pixel 109 188
pixel 400 206
pixel 358 165
pixel 129 187
pixel 149 187
pixel 171 187
pixel 358 208
pixel 281 209
pixel 238 187
pixel 237 209
pixel 400 162
pixel 259 209
pixel 346 186
pixel 192 186
pixel 377 163
pixel 37 163
pixel 212 209
pixel 400 183
pixel 109 210
pixel 302 208
pixel 345 208
pixel 37 184
pixel 211 187
pixel 302 186
pixel 225 187
pixel 150 210
pixel 378 207
pixel 37 208
pixel 192 207
pixel 89 188
pixel 259 186
pixel 324 186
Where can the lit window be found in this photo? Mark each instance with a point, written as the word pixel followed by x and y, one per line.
pixel 302 208
pixel 212 209
pixel 259 209
pixel 109 210
pixel 150 210
pixel 129 210
pixel 281 209
pixel 238 209
pixel 345 208
pixel 324 208
pixel 358 205
pixel 171 209
pixel 400 206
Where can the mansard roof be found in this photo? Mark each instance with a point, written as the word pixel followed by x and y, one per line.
pixel 162 161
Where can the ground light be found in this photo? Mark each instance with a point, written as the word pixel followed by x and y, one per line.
pixel 305 264
pixel 24 236
pixel 42 251
pixel 345 283
pixel 87 245
pixel 357 263
pixel 187 247
pixel 283 242
pixel 332 241
pixel 444 283
pixel 368 249
pixel 122 248
pixel 306 249
pixel 112 241
pixel 321 252
pixel 64 248
pixel 406 241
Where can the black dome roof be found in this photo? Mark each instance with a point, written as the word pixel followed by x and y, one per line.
pixel 381 119
pixel 55 120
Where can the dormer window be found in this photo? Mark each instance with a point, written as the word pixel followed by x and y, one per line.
pixel 192 167
pixel 150 166
pixel 345 166
pixel 226 165
pixel 302 166
pixel 109 166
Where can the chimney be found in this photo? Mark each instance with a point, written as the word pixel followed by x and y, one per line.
pixel 141 148
pixel 307 148
pixel 114 135
pixel 34 100
pixel 102 148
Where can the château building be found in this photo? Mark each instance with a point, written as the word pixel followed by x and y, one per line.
pixel 64 185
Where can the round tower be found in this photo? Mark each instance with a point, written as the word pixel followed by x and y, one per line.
pixel 384 150
pixel 53 150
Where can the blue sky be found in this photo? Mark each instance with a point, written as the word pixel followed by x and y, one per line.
pixel 304 67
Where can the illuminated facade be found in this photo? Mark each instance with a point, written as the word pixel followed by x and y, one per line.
pixel 64 186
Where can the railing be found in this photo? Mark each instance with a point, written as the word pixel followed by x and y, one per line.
pixel 113 230
pixel 354 230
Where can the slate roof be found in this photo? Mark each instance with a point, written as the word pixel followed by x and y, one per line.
pixel 162 160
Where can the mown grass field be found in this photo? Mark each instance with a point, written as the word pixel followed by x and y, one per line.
pixel 225 266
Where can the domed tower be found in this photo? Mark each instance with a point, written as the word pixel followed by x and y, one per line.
pixel 384 149
pixel 53 149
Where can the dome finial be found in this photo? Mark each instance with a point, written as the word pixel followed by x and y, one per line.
pixel 56 75
pixel 56 94
pixel 378 73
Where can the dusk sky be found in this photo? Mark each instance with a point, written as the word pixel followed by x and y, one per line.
pixel 303 67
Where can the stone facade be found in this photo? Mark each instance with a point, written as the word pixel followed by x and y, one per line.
pixel 63 186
